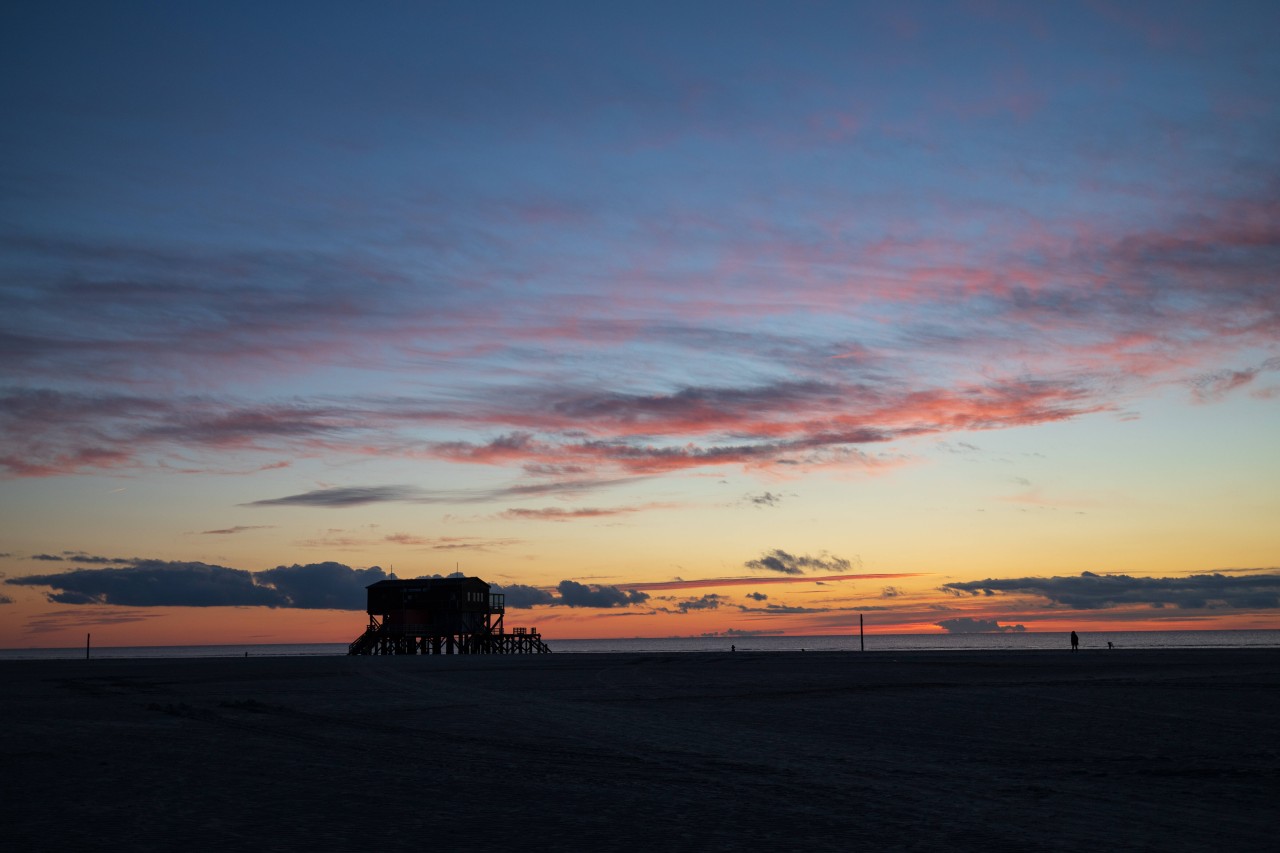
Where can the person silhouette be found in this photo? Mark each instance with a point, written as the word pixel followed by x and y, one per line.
pixel 1075 641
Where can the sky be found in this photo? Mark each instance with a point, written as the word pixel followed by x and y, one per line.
pixel 666 319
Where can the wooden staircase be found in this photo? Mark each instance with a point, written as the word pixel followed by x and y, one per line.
pixel 365 643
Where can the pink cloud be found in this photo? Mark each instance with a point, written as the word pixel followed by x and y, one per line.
pixel 887 334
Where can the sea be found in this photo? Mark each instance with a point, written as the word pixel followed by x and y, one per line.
pixel 746 643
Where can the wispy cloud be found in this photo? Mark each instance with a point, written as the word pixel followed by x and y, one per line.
pixel 81 557
pixel 239 528
pixel 1213 387
pixel 348 496
pixel 755 580
pixel 79 620
pixel 786 609
pixel 574 514
pixel 448 543
pixel 826 418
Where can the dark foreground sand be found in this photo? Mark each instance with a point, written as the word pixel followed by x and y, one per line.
pixel 1097 751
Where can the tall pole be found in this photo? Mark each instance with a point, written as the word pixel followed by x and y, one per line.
pixel 86 646
pixel 862 642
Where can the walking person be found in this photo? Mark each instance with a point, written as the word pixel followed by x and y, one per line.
pixel 1075 641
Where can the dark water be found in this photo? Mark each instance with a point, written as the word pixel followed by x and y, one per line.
pixel 876 642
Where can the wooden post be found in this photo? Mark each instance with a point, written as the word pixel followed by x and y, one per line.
pixel 86 646
pixel 862 642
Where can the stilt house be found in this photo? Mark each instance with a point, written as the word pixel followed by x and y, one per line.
pixel 427 616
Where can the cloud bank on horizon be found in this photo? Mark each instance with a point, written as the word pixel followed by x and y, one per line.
pixel 970 625
pixel 1092 591
pixel 143 582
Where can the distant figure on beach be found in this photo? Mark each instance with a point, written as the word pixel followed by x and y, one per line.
pixel 1075 641
pixel 1109 645
pixel 733 648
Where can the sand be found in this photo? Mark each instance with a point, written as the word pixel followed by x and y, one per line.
pixel 1103 751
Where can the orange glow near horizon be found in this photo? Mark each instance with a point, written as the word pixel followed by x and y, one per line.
pixel 65 627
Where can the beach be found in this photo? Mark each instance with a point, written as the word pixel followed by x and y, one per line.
pixel 1032 750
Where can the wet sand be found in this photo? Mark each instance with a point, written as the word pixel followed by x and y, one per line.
pixel 1099 750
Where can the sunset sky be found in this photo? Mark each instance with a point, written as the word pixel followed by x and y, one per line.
pixel 670 319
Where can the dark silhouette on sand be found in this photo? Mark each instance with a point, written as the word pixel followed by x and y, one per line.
pixel 433 616
pixel 1075 641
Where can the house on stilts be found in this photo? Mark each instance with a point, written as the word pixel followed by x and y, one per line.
pixel 440 616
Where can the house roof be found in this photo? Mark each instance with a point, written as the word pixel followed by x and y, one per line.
pixel 424 583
